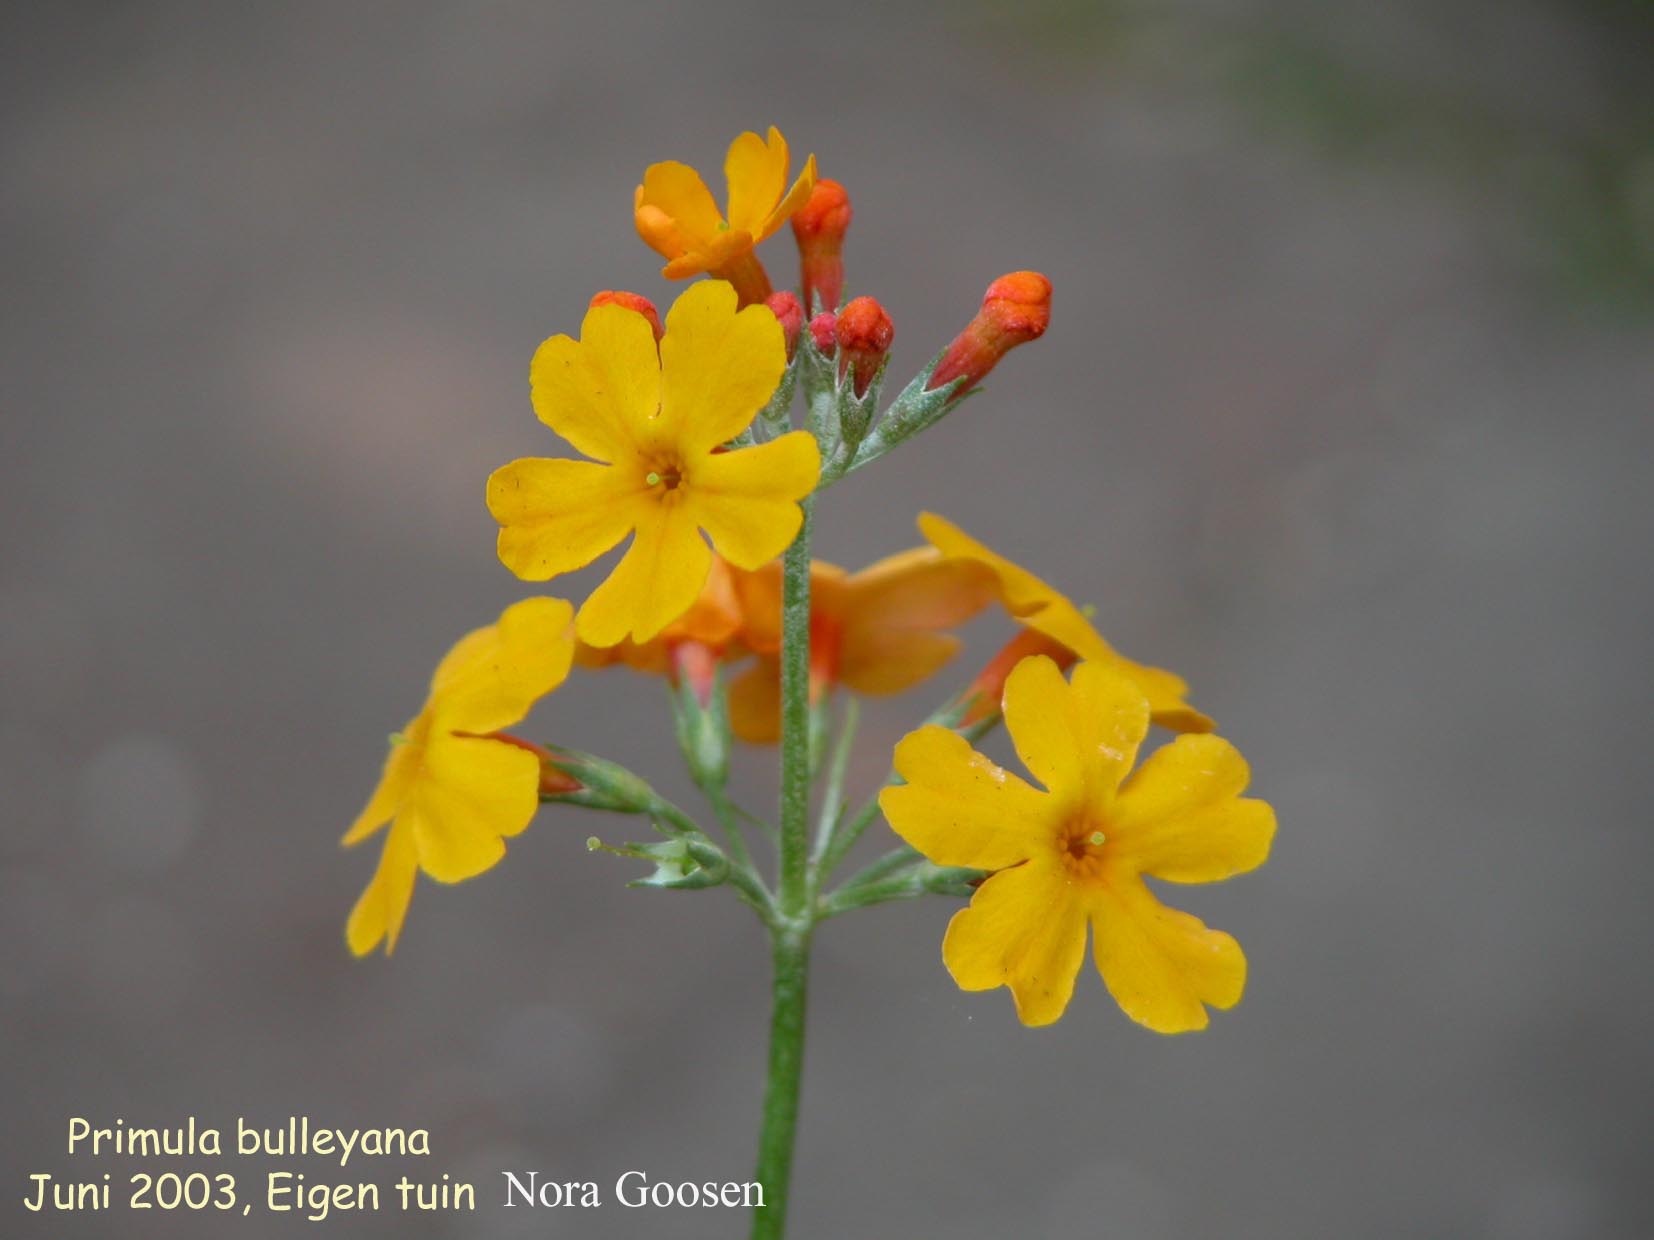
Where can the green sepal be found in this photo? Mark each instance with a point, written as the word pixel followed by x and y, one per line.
pixel 681 865
pixel 703 732
pixel 776 415
pixel 603 784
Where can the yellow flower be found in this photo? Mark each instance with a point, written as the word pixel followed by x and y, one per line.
pixel 1076 853
pixel 676 216
pixel 654 429
pixel 451 791
pixel 878 631
pixel 1039 607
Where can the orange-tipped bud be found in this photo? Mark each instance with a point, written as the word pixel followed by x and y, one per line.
pixel 819 227
pixel 554 780
pixel 824 331
pixel 983 697
pixel 632 301
pixel 784 305
pixel 1015 310
pixel 864 333
pixel 696 664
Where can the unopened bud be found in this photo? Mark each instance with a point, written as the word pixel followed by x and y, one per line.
pixel 600 784
pixel 824 331
pixel 554 779
pixel 632 301
pixel 819 227
pixel 864 333
pixel 784 305
pixel 982 700
pixel 1015 310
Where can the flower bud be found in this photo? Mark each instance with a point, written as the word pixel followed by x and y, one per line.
pixel 632 301
pixel 554 780
pixel 1016 309
pixel 600 784
pixel 819 228
pixel 864 332
pixel 784 305
pixel 982 700
pixel 824 331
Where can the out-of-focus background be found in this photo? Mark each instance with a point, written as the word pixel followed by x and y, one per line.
pixel 1344 412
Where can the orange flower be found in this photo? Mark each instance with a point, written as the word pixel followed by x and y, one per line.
pixel 676 216
pixel 875 632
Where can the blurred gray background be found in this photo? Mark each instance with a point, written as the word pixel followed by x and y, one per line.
pixel 1344 413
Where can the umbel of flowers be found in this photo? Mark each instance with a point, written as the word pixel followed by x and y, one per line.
pixel 702 441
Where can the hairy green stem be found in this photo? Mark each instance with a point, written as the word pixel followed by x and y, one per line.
pixel 795 718
pixel 790 929
pixel 791 950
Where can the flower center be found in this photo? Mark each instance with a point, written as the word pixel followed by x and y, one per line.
pixel 667 474
pixel 1084 847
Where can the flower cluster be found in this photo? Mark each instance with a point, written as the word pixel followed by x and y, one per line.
pixel 682 445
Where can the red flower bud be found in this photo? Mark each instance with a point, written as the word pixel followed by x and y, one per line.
pixel 784 305
pixel 632 301
pixel 864 334
pixel 819 227
pixel 1015 310
pixel 824 331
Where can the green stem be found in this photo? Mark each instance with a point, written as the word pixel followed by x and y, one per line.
pixel 795 718
pixel 832 801
pixel 897 858
pixel 922 879
pixel 791 948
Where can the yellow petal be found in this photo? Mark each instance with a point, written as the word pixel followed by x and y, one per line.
pixel 1080 740
pixel 597 392
pixel 493 676
pixel 718 368
pixel 789 206
pixel 958 808
pixel 473 792
pixel 1021 591
pixel 656 228
pixel 1025 928
pixel 1181 816
pixel 557 515
pixel 1163 967
pixel 655 582
pixel 677 192
pixel 756 172
pixel 1066 624
pixel 383 905
pixel 1047 611
pixel 401 767
pixel 755 702
pixel 747 500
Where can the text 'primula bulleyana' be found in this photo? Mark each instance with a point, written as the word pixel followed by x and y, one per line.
pixel 692 454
